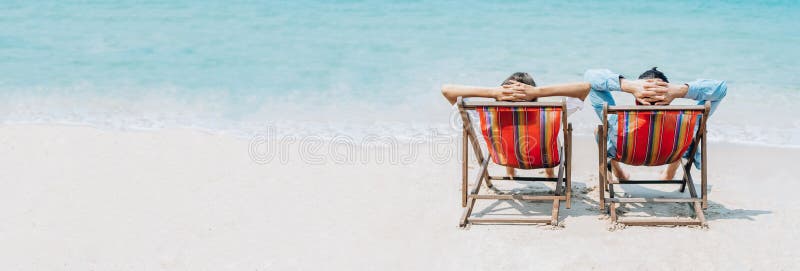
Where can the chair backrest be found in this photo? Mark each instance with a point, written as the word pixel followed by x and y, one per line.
pixel 655 137
pixel 522 135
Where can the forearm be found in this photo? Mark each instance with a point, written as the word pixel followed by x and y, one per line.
pixel 634 86
pixel 626 86
pixel 452 92
pixel 575 90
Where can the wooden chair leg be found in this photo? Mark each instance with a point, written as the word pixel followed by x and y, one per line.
pixel 699 213
pixel 705 201
pixel 569 191
pixel 473 139
pixel 559 189
pixel 475 191
pixel 601 182
pixel 464 169
pixel 467 212
pixel 569 165
pixel 609 175
pixel 704 171
pixel 613 211
pixel 489 183
pixel 554 220
pixel 486 178
pixel 610 190
pixel 470 205
pixel 687 173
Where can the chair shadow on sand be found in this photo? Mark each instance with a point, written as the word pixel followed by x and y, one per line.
pixel 584 203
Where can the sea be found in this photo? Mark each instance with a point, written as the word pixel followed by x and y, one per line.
pixel 365 68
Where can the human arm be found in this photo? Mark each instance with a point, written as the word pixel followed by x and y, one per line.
pixel 452 92
pixel 700 90
pixel 645 91
pixel 575 90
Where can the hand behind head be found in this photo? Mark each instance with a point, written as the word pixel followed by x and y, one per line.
pixel 652 91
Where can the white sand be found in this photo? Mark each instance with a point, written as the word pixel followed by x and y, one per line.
pixel 79 198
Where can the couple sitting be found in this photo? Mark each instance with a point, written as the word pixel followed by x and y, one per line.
pixel 652 88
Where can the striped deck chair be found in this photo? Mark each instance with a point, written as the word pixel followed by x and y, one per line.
pixel 654 136
pixel 522 135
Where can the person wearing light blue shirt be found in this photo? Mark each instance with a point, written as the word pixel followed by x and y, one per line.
pixel 652 88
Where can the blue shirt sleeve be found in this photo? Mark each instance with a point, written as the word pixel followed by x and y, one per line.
pixel 703 90
pixel 602 80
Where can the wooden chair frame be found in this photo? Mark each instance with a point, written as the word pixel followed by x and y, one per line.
pixel 563 190
pixel 687 180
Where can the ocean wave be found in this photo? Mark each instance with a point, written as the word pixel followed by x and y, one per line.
pixel 424 118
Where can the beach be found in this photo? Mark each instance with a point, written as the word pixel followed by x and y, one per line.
pixel 77 198
pixel 297 135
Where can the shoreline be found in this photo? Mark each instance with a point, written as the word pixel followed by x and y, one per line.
pixel 241 136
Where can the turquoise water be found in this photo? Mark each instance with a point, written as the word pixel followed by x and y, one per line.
pixel 374 67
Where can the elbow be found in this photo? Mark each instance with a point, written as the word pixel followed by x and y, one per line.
pixel 449 93
pixel 722 90
pixel 447 90
pixel 596 78
pixel 712 93
pixel 585 88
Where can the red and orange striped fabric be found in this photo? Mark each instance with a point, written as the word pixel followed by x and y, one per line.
pixel 521 137
pixel 652 138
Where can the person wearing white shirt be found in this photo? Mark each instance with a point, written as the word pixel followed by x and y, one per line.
pixel 520 86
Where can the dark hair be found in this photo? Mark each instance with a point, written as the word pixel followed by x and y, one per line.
pixel 653 74
pixel 522 77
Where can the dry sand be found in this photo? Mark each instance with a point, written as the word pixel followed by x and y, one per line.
pixel 80 198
